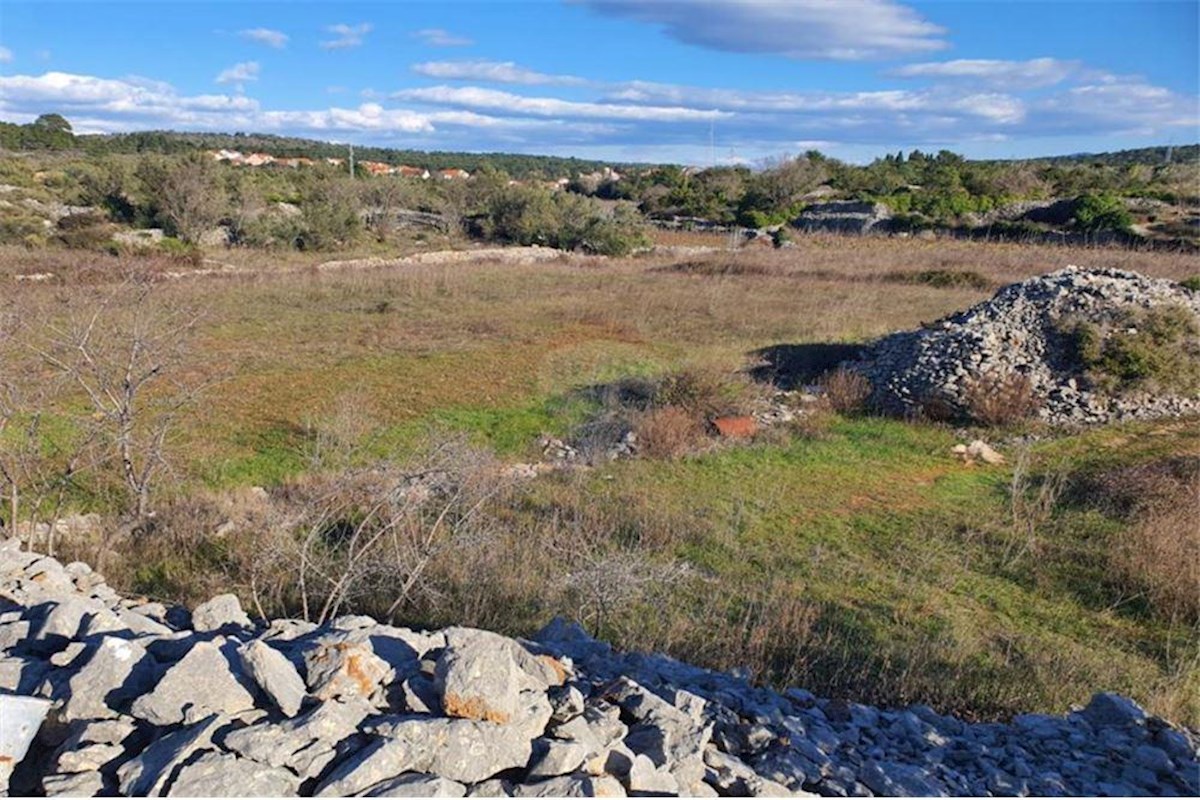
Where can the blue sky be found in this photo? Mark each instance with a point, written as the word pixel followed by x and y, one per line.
pixel 651 80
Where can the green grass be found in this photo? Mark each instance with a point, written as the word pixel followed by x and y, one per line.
pixel 901 551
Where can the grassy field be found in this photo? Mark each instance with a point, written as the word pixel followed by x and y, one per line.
pixel 857 558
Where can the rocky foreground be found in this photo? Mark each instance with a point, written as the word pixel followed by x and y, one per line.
pixel 149 700
pixel 1019 332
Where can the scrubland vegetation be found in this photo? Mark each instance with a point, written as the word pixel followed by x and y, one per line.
pixel 381 411
pixel 90 187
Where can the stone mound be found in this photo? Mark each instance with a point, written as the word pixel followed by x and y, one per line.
pixel 1021 331
pixel 152 701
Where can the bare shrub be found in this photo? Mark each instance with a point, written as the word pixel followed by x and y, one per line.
pixel 604 581
pixel 845 390
pixel 707 393
pixel 125 353
pixel 1158 556
pixel 1032 500
pixel 669 431
pixel 998 400
pixel 365 538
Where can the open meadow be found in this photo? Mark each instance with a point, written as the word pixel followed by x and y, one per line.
pixel 848 553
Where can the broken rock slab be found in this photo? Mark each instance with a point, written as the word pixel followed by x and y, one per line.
pixel 117 671
pixel 224 775
pixel 275 676
pixel 204 681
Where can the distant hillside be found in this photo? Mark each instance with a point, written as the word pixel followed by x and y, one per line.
pixel 170 142
pixel 1153 156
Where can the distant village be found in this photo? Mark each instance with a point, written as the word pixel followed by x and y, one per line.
pixel 239 159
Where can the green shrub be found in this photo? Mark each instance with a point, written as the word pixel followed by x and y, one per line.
pixel 1101 212
pixel 1154 349
pixel 943 278
pixel 534 216
pixel 179 250
pixel 1192 283
pixel 18 228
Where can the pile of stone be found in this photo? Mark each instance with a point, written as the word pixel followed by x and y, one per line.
pixel 148 700
pixel 1021 331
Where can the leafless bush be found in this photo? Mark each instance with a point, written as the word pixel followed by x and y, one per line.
pixel 602 582
pixel 706 393
pixel 998 400
pixel 125 352
pixel 365 538
pixel 40 457
pixel 1031 507
pixel 669 431
pixel 845 391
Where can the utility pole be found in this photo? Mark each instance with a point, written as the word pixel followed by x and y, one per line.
pixel 352 160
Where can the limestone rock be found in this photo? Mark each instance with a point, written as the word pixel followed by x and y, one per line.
pixel 117 671
pixel 275 676
pixel 346 666
pixel 204 681
pixel 224 775
pixel 147 774
pixel 222 612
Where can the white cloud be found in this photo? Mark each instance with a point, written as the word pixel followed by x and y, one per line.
pixel 239 74
pixel 995 106
pixel 843 30
pixel 493 72
pixel 491 99
pixel 267 36
pixel 1032 74
pixel 440 37
pixel 346 36
pixel 1121 104
pixel 106 105
pixel 6 55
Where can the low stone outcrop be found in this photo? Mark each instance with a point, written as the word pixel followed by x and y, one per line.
pixel 140 707
pixel 845 216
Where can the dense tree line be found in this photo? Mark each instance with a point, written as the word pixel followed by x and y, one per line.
pixel 163 179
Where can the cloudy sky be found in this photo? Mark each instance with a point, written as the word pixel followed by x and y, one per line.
pixel 692 81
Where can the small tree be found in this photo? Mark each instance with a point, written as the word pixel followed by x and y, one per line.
pixel 53 122
pixel 187 194
pixel 125 354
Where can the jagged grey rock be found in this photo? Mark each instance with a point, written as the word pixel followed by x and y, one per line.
pixel 468 751
pixel 117 671
pixel 275 676
pixel 495 787
pixel 1111 709
pixel 223 775
pixel 305 744
pixel 577 785
pixel 147 774
pixel 553 757
pixel 75 784
pixel 645 777
pixel 416 784
pixel 223 611
pixel 204 681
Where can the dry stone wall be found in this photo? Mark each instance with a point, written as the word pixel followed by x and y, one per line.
pixel 149 700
